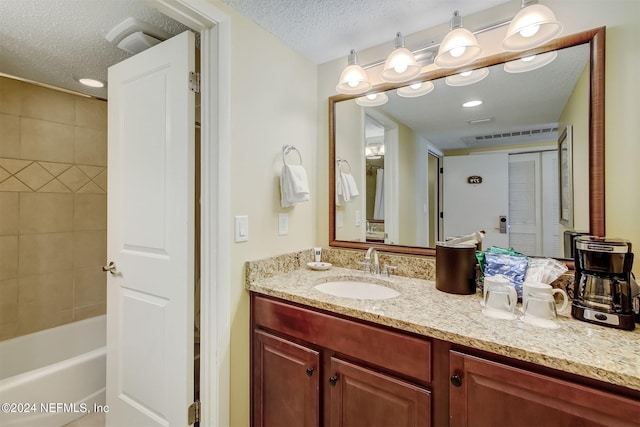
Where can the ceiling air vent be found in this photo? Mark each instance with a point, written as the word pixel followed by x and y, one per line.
pixel 521 133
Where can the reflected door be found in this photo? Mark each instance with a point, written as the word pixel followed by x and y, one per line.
pixel 476 197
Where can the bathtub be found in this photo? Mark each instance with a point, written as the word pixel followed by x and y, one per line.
pixel 52 377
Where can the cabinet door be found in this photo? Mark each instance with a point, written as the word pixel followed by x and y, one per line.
pixel 362 397
pixel 285 383
pixel 485 393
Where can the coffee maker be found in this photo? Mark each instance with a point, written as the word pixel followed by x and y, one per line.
pixel 604 291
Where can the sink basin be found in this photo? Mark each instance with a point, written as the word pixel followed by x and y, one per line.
pixel 357 290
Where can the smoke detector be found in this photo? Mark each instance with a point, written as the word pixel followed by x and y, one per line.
pixel 134 36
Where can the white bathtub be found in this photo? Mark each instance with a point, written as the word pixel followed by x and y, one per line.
pixel 51 377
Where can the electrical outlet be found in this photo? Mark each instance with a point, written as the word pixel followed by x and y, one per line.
pixel 339 219
pixel 358 218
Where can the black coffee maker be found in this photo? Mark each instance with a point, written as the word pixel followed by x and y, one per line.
pixel 603 292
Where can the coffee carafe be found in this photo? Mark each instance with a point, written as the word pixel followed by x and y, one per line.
pixel 603 292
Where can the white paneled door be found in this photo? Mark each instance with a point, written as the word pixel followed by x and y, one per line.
pixel 151 237
pixel 476 197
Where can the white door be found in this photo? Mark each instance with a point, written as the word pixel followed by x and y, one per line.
pixel 151 237
pixel 470 207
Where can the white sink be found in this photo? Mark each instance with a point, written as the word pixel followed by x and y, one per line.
pixel 356 290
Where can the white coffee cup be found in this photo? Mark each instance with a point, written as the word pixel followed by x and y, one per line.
pixel 537 287
pixel 500 301
pixel 490 281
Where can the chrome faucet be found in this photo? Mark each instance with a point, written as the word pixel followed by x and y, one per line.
pixel 373 264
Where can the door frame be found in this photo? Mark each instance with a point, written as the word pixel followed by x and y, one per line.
pixel 215 324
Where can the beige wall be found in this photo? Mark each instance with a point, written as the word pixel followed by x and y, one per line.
pixel 407 177
pixel 53 148
pixel 273 102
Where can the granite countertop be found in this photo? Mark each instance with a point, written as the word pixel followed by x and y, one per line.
pixel 577 347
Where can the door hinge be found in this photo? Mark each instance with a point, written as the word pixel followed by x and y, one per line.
pixel 194 412
pixel 194 82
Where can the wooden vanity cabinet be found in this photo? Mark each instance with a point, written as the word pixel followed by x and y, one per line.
pixel 487 393
pixel 310 368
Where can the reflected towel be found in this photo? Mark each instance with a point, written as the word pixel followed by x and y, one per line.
pixel 294 186
pixel 346 188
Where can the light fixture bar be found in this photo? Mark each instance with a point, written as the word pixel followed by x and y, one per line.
pixel 433 46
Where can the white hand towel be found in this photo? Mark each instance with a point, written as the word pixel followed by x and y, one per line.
pixel 351 185
pixel 294 186
pixel 339 194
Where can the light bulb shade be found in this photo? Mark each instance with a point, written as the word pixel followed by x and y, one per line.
pixel 464 80
pixel 459 47
pixel 533 25
pixel 415 90
pixel 372 100
pixel 401 65
pixel 353 79
pixel 523 65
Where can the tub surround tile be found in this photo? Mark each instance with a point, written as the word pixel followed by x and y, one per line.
pixel 45 253
pixel 47 105
pixel 8 330
pixel 580 348
pixel 33 318
pixel 91 113
pixel 10 136
pixel 9 213
pixel 48 141
pixel 46 213
pixel 81 313
pixel 90 287
pixel 90 212
pixel 90 146
pixel 10 96
pixel 51 292
pixel 8 257
pixel 8 301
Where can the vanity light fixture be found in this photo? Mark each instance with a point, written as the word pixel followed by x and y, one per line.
pixel 372 100
pixel 416 89
pixel 530 63
pixel 401 65
pixel 354 79
pixel 467 77
pixel 459 47
pixel 473 103
pixel 534 25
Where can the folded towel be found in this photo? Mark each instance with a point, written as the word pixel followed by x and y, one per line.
pixel 346 188
pixel 294 187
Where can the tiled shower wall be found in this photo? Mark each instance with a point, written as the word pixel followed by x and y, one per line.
pixel 53 182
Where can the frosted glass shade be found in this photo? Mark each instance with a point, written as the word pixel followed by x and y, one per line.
pixel 467 78
pixel 415 90
pixel 353 79
pixel 400 66
pixel 529 63
pixel 459 47
pixel 533 25
pixel 372 100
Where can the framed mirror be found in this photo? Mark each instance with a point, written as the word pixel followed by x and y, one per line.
pixel 414 204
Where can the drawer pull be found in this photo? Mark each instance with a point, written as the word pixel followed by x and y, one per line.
pixel 310 371
pixel 456 380
pixel 333 380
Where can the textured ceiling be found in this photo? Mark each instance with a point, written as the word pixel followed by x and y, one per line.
pixel 323 30
pixel 56 41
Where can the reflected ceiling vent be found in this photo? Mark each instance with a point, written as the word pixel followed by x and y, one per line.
pixel 519 133
pixel 134 36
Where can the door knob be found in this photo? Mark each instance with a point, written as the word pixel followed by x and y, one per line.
pixel 111 268
pixel 456 380
pixel 333 380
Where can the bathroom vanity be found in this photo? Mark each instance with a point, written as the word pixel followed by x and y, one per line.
pixel 427 358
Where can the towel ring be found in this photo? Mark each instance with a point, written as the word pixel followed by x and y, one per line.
pixel 341 162
pixel 288 148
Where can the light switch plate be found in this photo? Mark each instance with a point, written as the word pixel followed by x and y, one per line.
pixel 283 224
pixel 242 228
pixel 339 219
pixel 358 218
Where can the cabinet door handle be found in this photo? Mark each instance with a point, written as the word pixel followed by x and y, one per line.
pixel 456 380
pixel 310 371
pixel 333 380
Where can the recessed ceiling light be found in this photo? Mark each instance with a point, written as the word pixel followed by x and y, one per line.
pixel 91 82
pixel 473 103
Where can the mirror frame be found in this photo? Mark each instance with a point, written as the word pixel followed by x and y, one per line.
pixel 596 40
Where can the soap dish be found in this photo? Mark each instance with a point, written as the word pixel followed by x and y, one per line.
pixel 319 265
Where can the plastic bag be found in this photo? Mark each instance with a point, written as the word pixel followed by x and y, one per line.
pixel 510 266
